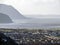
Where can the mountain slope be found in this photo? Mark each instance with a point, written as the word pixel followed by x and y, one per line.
pixel 11 12
pixel 5 18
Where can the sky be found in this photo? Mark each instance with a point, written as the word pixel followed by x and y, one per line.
pixel 35 7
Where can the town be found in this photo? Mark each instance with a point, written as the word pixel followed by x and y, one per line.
pixel 33 36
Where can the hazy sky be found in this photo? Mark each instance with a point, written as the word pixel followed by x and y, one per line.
pixel 35 7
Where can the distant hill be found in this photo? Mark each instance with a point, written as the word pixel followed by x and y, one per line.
pixel 5 18
pixel 11 12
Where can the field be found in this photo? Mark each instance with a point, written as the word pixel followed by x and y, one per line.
pixel 33 36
